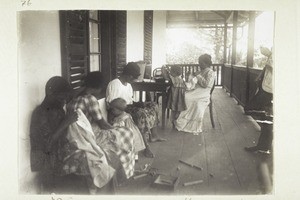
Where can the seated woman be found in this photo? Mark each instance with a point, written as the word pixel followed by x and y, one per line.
pixel 116 142
pixel 197 99
pixel 47 130
pixel 145 115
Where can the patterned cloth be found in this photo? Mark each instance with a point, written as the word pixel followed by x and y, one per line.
pixel 144 114
pixel 118 140
pixel 125 120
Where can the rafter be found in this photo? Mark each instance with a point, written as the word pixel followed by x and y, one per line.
pixel 219 13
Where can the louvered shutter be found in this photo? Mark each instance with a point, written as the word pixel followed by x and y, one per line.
pixel 120 34
pixel 148 27
pixel 74 46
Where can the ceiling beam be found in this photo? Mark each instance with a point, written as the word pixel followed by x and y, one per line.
pixel 196 15
pixel 228 17
pixel 219 13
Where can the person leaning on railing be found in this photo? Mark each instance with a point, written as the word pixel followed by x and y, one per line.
pixel 264 93
pixel 261 106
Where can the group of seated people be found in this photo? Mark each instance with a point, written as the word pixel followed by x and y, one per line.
pixel 80 141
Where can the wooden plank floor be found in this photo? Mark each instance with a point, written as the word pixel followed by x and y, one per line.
pixel 226 167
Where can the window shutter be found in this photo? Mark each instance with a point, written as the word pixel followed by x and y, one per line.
pixel 148 27
pixel 74 46
pixel 121 29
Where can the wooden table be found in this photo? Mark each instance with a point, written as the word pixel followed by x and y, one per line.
pixel 153 86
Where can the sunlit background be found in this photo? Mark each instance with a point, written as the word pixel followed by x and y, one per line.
pixel 184 45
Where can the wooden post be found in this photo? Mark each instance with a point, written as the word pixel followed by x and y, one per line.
pixel 225 44
pixel 250 51
pixel 233 55
pixel 225 53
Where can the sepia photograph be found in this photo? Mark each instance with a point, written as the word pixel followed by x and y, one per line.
pixel 129 99
pixel 146 102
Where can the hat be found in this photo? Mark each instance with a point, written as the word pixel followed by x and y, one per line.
pixel 57 85
pixel 118 103
pixel 205 59
pixel 94 80
pixel 132 68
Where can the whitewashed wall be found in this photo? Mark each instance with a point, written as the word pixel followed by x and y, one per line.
pixel 135 36
pixel 38 59
pixel 159 39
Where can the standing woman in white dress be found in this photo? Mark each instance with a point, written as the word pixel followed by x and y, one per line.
pixel 197 100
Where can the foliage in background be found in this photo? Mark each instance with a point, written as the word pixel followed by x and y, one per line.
pixel 186 46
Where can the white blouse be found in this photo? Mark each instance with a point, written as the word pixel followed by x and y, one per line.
pixel 116 89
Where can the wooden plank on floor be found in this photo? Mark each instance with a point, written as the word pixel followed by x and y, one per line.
pixel 221 172
pixel 220 153
pixel 244 164
pixel 168 152
pixel 193 152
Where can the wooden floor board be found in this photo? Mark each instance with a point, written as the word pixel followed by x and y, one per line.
pixel 226 167
pixel 245 164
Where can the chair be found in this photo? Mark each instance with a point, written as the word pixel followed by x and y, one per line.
pixel 157 76
pixel 210 105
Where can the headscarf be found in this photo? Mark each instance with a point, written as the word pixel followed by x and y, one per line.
pixel 119 104
pixel 57 85
pixel 132 68
pixel 176 70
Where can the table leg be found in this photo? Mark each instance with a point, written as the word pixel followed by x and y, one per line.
pixel 163 107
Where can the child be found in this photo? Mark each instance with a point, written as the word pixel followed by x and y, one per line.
pixel 176 94
pixel 121 118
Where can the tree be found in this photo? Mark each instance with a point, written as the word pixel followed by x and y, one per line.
pixel 194 43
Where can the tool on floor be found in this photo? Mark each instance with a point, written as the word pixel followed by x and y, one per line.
pixel 191 165
pixel 149 170
pixel 166 182
pixel 193 183
pixel 139 176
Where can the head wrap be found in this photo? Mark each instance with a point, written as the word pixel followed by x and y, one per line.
pixel 205 60
pixel 57 85
pixel 132 68
pixel 176 70
pixel 118 103
pixel 94 80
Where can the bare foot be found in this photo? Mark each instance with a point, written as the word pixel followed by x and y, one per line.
pixel 148 153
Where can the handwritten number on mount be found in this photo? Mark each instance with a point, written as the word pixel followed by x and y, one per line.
pixel 56 199
pixel 25 2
